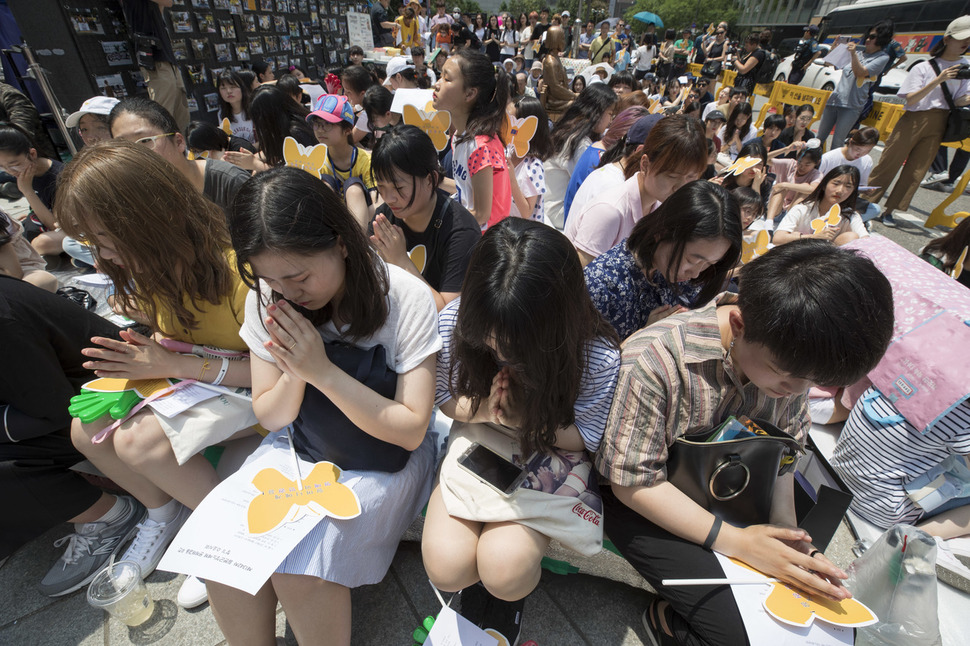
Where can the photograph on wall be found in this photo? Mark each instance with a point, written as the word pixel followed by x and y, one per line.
pixel 251 5
pixel 180 48
pixel 228 29
pixel 181 22
pixel 294 28
pixel 302 6
pixel 255 45
pixel 193 104
pixel 266 5
pixel 280 22
pixel 242 52
pixel 296 47
pixel 206 23
pixel 284 43
pixel 314 16
pixel 265 23
pixel 220 4
pixel 271 44
pixel 196 73
pixel 282 6
pixel 249 20
pixel 235 7
pixel 215 73
pixel 223 52
pixel 200 48
pixel 86 21
pixel 111 85
pixel 116 52
pixel 317 39
pixel 211 102
pixel 201 4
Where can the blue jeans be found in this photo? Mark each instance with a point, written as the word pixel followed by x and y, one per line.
pixel 78 251
pixel 842 118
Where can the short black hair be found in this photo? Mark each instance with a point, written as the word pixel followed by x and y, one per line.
pixel 774 121
pixel 377 101
pixel 623 78
pixel 14 139
pixel 152 112
pixel 825 313
pixel 202 135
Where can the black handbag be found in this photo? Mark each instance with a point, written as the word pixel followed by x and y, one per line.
pixel 958 122
pixel 711 69
pixel 735 479
pixel 323 432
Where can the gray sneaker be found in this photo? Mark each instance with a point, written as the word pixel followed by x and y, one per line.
pixel 89 549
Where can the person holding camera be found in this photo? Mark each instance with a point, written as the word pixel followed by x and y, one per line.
pixel 156 60
pixel 915 139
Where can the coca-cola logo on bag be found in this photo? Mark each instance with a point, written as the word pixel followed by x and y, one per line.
pixel 586 513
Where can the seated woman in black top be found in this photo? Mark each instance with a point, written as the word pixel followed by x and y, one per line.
pixel 40 370
pixel 419 227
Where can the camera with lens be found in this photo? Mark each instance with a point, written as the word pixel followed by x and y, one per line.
pixel 963 73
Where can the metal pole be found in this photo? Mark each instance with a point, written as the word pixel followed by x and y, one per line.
pixel 37 73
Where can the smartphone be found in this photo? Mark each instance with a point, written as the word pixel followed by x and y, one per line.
pixel 492 469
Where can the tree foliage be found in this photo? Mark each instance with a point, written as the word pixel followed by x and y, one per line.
pixel 678 14
pixel 592 10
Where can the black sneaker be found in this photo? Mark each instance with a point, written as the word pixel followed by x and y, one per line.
pixel 10 191
pixel 474 602
pixel 89 549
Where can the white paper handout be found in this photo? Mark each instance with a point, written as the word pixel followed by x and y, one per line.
pixel 181 400
pixel 216 542
pixel 762 628
pixel 411 96
pixel 839 57
pixel 451 629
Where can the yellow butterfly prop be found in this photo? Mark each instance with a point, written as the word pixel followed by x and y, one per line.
pixel 741 164
pixel 958 267
pixel 519 132
pixel 434 124
pixel 226 126
pixel 309 158
pixel 794 608
pixel 757 247
pixel 832 219
pixel 202 154
pixel 281 501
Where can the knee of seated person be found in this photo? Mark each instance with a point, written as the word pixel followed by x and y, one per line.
pixel 137 441
pixel 445 569
pixel 509 583
pixel 81 435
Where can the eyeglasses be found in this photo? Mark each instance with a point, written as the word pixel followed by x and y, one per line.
pixel 152 141
pixel 871 37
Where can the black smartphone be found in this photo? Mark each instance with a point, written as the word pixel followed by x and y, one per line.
pixel 492 469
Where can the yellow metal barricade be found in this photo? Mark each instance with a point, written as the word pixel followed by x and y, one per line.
pixel 786 93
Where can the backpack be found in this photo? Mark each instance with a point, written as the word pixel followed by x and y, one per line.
pixel 803 52
pixel 766 71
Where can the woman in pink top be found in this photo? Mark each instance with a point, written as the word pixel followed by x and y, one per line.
pixel 674 153
pixel 476 94
pixel 794 178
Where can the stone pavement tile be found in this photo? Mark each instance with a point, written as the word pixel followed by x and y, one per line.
pixel 601 611
pixel 408 570
pixel 68 620
pixel 382 614
pixel 24 570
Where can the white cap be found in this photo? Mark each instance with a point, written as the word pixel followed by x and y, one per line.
pixel 96 105
pixel 565 14
pixel 397 65
pixel 959 29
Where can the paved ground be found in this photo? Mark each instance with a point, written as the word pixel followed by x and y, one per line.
pixel 565 610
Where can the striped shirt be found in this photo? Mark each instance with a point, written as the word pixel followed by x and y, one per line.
pixel 676 378
pixel 595 390
pixel 877 460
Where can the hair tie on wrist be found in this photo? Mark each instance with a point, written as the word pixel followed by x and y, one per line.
pixel 712 535
pixel 812 554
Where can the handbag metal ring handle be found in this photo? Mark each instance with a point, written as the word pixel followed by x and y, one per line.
pixel 733 460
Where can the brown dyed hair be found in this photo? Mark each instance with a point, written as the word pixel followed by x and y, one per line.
pixel 171 239
pixel 676 144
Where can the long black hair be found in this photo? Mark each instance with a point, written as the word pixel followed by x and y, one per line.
pixel 698 210
pixel 848 204
pixel 230 76
pixel 409 150
pixel 525 291
pixel 487 114
pixel 287 210
pixel 276 116
pixel 581 117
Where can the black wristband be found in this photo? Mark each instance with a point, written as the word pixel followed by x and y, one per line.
pixel 812 554
pixel 712 535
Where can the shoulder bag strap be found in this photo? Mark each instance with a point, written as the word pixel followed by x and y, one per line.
pixel 943 86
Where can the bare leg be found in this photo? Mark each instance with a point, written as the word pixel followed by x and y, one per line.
pixel 449 547
pixel 145 449
pixel 508 559
pixel 774 206
pixel 318 611
pixel 244 619
pixel 357 205
pixel 49 243
pixel 95 511
pixel 845 238
pixel 106 459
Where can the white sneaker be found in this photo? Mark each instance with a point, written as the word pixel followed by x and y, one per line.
pixel 935 177
pixel 192 593
pixel 152 538
pixel 950 569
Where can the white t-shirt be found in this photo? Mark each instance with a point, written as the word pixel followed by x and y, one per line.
pixel 733 149
pixel 643 57
pixel 242 127
pixel 799 220
pixel 835 158
pixel 559 169
pixel 600 181
pixel 409 335
pixel 921 75
pixel 531 178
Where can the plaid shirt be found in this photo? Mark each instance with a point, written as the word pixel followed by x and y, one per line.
pixel 677 378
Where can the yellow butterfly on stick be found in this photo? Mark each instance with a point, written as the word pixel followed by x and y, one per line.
pixel 756 247
pixel 309 158
pixel 434 124
pixel 226 126
pixel 281 500
pixel 832 219
pixel 742 164
pixel 519 133
pixel 958 267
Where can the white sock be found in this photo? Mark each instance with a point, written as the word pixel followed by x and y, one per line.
pixel 115 513
pixel 166 513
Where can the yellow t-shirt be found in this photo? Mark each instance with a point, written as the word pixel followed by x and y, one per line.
pixel 409 35
pixel 360 168
pixel 218 325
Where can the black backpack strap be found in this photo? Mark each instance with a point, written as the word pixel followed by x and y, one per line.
pixel 943 86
